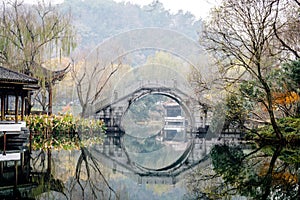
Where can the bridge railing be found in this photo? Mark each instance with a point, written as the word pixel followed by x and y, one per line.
pixel 123 93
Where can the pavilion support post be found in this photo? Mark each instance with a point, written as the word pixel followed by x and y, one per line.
pixel 22 108
pixel 4 143
pixel 50 99
pixel 30 142
pixel 28 103
pixel 111 145
pixel 205 117
pixel 2 107
pixel 16 108
pixel 1 171
pixel 22 162
pixel 111 116
pixel 16 173
pixel 6 104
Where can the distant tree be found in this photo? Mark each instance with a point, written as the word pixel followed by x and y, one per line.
pixel 98 20
pixel 32 34
pixel 287 26
pixel 292 72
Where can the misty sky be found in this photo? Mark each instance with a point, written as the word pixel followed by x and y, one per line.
pixel 199 8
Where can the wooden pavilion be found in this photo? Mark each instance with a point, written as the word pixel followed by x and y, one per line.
pixel 15 88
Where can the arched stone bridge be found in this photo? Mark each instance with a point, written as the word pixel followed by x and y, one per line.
pixel 111 111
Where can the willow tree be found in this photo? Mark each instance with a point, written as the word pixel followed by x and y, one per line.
pixel 30 35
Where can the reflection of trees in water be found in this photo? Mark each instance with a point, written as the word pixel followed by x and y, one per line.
pixel 151 153
pixel 269 172
pixel 42 176
pixel 82 179
pixel 141 145
pixel 93 172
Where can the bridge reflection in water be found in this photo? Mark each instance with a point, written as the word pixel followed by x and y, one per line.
pixel 153 139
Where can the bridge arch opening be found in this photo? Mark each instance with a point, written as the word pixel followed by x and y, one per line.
pixel 153 75
pixel 156 131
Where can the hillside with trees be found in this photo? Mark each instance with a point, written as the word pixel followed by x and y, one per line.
pixel 96 20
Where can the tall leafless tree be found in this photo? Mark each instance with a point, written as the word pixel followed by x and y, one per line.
pixel 91 80
pixel 241 34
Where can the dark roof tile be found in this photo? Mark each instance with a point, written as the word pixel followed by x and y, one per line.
pixel 7 75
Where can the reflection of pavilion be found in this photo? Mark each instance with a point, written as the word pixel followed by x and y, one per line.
pixel 175 122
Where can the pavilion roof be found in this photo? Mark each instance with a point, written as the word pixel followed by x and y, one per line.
pixel 10 76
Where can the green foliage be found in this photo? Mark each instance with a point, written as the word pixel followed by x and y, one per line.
pixel 63 131
pixel 239 174
pixel 290 128
pixel 285 85
pixel 227 161
pixel 251 90
pixel 292 71
pixel 231 114
pixel 290 155
pixel 272 168
pixel 142 108
pixel 236 110
pixel 292 74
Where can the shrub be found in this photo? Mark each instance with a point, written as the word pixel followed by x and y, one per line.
pixel 63 131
